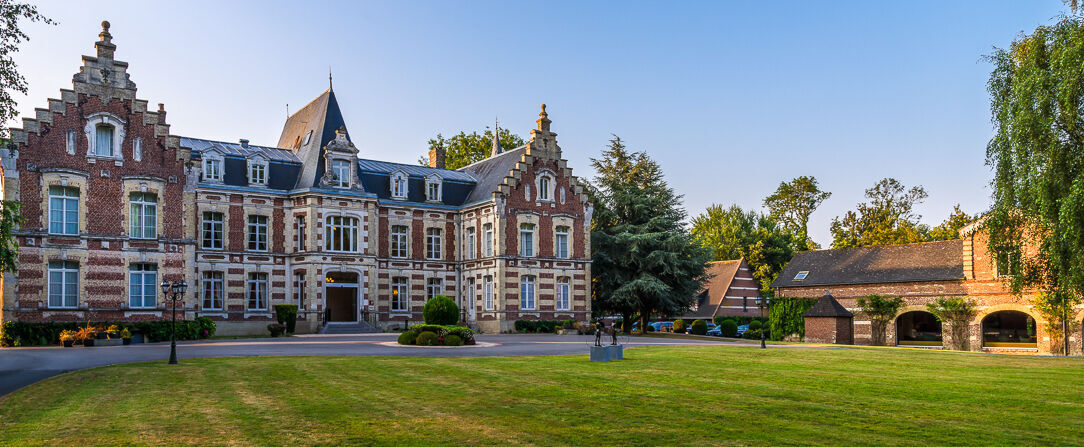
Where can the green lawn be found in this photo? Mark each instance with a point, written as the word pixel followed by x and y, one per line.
pixel 670 396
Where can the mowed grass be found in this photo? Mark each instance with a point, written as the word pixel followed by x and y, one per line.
pixel 704 395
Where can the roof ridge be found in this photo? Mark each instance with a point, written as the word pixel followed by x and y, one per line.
pixel 410 165
pixel 313 101
pixel 492 157
pixel 867 247
pixel 234 143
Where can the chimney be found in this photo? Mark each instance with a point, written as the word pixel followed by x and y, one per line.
pixel 436 157
pixel 244 143
pixel 161 113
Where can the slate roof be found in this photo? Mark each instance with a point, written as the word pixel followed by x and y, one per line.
pixel 929 261
pixel 376 178
pixel 489 173
pixel 199 145
pixel 321 115
pixel 827 306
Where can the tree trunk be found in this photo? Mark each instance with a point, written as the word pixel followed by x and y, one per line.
pixel 644 317
pixel 877 334
pixel 626 321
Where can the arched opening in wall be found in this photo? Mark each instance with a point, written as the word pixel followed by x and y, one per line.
pixel 1008 329
pixel 341 299
pixel 918 328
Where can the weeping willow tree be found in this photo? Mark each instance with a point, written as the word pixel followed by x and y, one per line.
pixel 1037 155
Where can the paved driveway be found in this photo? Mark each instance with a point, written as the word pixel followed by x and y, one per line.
pixel 22 366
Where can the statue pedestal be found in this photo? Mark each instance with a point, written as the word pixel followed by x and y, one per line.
pixel 617 352
pixel 600 354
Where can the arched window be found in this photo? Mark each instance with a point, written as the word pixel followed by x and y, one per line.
pixel 103 140
pixel 1009 329
pixel 105 133
pixel 342 233
pixel 545 184
pixel 918 328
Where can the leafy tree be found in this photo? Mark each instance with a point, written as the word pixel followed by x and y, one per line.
pixel 11 81
pixel 880 310
pixel 957 313
pixel 440 310
pixel 468 148
pixel 950 228
pixel 732 233
pixel 1037 155
pixel 887 218
pixel 791 205
pixel 644 259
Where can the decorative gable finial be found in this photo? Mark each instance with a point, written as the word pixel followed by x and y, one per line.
pixel 329 87
pixel 497 149
pixel 544 120
pixel 105 44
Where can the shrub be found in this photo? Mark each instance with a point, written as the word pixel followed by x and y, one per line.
pixel 426 338
pixel 679 326
pixel 452 340
pixel 650 328
pixel 287 314
pixel 880 310
pixel 785 316
pixel 699 327
pixel 206 327
pixel 406 338
pixel 440 310
pixel 31 333
pixel 719 319
pixel 276 329
pixel 755 324
pixel 728 328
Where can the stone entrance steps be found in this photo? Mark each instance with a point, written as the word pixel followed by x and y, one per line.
pixel 361 327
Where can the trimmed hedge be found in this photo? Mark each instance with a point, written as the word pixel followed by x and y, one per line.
pixel 452 340
pixel 406 338
pixel 542 326
pixel 20 333
pixel 440 310
pixel 679 326
pixel 728 328
pixel 441 333
pixel 785 316
pixel 287 314
pixel 755 324
pixel 699 327
pixel 426 338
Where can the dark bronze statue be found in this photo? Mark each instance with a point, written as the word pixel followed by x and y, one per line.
pixel 599 327
pixel 613 334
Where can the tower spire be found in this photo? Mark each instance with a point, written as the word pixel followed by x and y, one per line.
pixel 497 149
pixel 329 77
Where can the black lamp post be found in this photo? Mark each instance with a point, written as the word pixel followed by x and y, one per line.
pixel 173 292
pixel 762 303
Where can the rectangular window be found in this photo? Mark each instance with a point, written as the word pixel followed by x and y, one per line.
pixel 212 169
pixel 434 191
pixel 257 233
pixel 400 294
pixel 144 215
pixel 257 291
pixel 560 242
pixel 142 285
pixel 432 288
pixel 299 221
pixel 63 210
pixel 212 290
pixel 341 233
pixel 526 240
pixel 341 170
pixel 257 173
pixel 487 292
pixel 1008 263
pixel 299 290
pixel 526 293
pixel 399 241
pixel 563 294
pixel 212 230
pixel 487 243
pixel 468 244
pixel 103 144
pixel 544 188
pixel 432 243
pixel 63 284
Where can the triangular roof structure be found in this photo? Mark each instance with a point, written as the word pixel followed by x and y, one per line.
pixel 308 130
pixel 827 306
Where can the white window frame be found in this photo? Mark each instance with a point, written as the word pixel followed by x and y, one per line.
pixel 400 293
pixel 256 231
pixel 141 278
pixel 258 171
pixel 61 201
pixel 341 234
pixel 341 170
pixel 138 206
pixel 433 287
pixel 400 185
pixel 487 244
pixel 560 242
pixel 63 275
pixel 469 243
pixel 91 130
pixel 137 148
pixel 302 229
pixel 433 242
pixel 212 167
pixel 299 290
pixel 526 240
pixel 212 291
pixel 433 188
pixel 487 292
pixel 71 141
pixel 400 241
pixel 562 294
pixel 527 286
pixel 256 291
pixel 212 230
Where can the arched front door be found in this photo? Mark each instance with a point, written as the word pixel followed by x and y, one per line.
pixel 918 328
pixel 1009 329
pixel 341 297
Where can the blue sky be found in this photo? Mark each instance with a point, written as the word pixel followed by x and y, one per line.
pixel 730 97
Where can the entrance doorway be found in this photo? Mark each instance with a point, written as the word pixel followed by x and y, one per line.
pixel 1008 329
pixel 341 297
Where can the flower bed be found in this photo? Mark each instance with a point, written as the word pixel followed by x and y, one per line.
pixel 437 335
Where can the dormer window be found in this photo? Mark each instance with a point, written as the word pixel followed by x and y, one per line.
pixel 545 185
pixel 103 140
pixel 399 185
pixel 257 171
pixel 432 188
pixel 212 168
pixel 340 171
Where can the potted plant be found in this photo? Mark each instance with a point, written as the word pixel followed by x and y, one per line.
pixel 86 334
pixel 276 329
pixel 126 335
pixel 67 338
pixel 113 331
